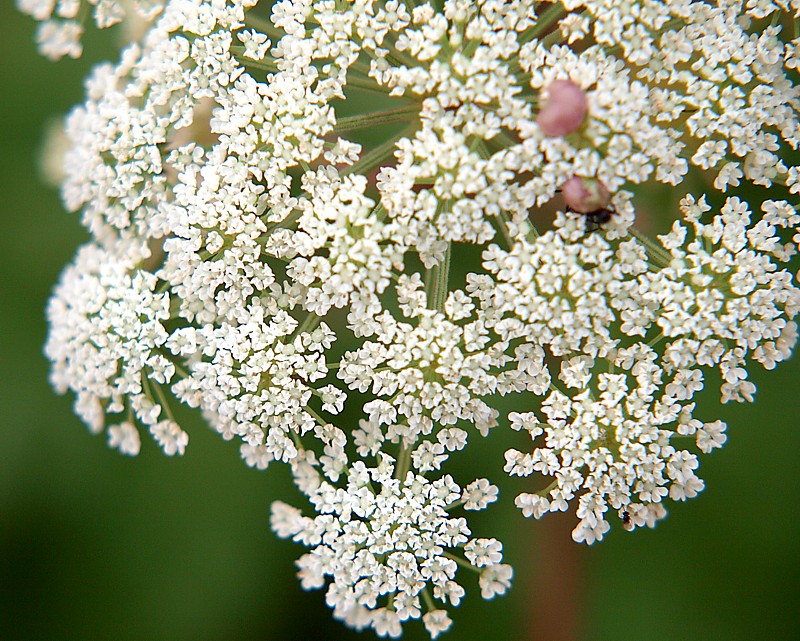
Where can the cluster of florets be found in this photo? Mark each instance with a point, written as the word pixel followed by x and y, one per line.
pixel 62 21
pixel 390 545
pixel 277 193
pixel 611 435
pixel 109 336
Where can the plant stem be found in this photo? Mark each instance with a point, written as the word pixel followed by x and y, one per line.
pixel 376 118
pixel 549 17
pixel 376 156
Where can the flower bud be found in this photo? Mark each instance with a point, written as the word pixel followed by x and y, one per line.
pixel 563 108
pixel 585 195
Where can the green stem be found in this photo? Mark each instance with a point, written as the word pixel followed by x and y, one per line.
pixel 440 276
pixel 395 57
pixel 380 212
pixel 365 84
pixel 285 223
pixel 376 119
pixel 658 253
pixel 310 323
pixel 298 443
pixel 322 422
pixel 502 223
pixel 545 491
pixel 462 562
pixel 428 599
pixel 264 25
pixel 453 506
pixel 162 398
pixel 376 156
pixel 403 462
pixel 267 64
pixel 176 363
pixel 549 17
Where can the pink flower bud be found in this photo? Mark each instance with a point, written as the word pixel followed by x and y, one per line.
pixel 563 108
pixel 585 195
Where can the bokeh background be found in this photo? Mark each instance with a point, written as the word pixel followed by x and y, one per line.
pixel 95 546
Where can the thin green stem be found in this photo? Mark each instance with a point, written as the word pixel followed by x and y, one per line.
pixel 429 284
pixel 657 252
pixel 403 462
pixel 440 277
pixel 656 339
pixel 322 422
pixel 453 506
pixel 380 212
pixel 376 156
pixel 376 118
pixel 172 358
pixel 310 323
pixel 428 599
pixel 502 224
pixel 285 223
pixel 462 562
pixel 162 399
pixel 264 25
pixel 84 14
pixel 546 490
pixel 395 57
pixel 362 67
pixel 298 443
pixel 179 369
pixel 545 22
pixel 267 64
pixel 365 83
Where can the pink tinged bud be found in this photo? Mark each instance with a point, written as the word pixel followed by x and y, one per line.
pixel 563 108
pixel 585 195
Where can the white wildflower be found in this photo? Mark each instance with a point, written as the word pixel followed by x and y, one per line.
pixel 350 232
pixel 125 438
pixel 379 537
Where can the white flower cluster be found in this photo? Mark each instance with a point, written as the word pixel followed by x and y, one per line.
pixel 324 224
pixel 388 542
pixel 61 28
pixel 718 300
pixel 107 346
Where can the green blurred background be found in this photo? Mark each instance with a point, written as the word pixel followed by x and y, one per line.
pixel 95 546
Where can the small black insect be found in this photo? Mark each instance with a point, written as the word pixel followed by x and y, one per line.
pixel 627 523
pixel 595 219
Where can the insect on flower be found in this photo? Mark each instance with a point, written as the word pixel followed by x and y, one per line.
pixel 627 522
pixel 596 219
pixel 588 196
